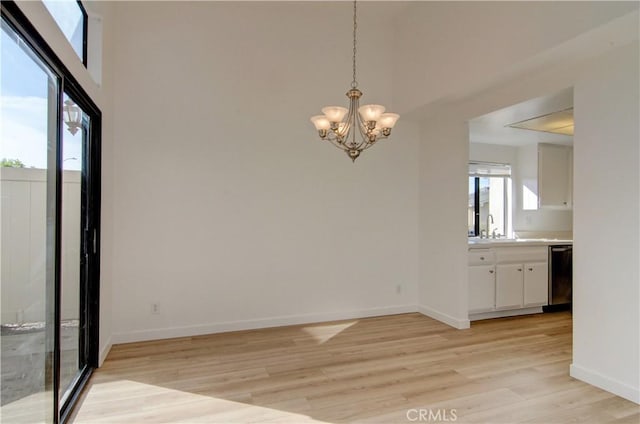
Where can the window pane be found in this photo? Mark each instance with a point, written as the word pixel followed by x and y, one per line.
pixel 471 230
pixel 29 101
pixel 492 202
pixel 70 18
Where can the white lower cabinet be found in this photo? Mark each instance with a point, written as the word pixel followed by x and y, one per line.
pixel 507 279
pixel 509 289
pixel 482 288
pixel 536 286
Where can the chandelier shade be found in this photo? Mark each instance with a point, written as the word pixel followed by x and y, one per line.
pixel 335 113
pixel 356 128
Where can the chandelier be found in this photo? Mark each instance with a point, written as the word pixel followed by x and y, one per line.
pixel 340 125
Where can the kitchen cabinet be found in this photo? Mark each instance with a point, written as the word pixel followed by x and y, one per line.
pixel 521 285
pixel 505 280
pixel 509 287
pixel 536 284
pixel 555 176
pixel 482 288
pixel 482 283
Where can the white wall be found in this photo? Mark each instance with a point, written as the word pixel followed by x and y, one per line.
pixel 451 49
pixel 250 229
pixel 606 337
pixel 497 153
pixel 229 212
pixel 444 153
pixel 230 257
pixel 606 354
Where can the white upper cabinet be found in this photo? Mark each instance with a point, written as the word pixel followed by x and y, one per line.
pixel 555 176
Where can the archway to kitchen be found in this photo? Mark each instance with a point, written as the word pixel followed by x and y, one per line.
pixel 520 208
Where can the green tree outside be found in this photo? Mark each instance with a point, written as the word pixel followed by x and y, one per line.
pixel 11 163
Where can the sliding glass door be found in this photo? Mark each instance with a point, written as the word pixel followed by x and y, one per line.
pixel 49 230
pixel 27 231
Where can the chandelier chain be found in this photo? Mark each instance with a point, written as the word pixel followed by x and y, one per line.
pixel 354 83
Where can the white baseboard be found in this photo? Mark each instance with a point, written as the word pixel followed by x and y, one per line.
pixel 460 324
pixel 105 351
pixel 223 327
pixel 503 314
pixel 609 384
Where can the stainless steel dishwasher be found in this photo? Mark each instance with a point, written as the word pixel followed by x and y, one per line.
pixel 560 277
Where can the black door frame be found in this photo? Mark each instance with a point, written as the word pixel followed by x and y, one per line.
pixel 90 230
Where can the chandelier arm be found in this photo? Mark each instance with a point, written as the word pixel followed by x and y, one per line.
pixel 368 145
pixel 356 122
pixel 333 138
pixel 338 145
pixel 362 129
pixel 349 123
pixel 363 141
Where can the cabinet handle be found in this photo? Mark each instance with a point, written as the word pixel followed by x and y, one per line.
pixel 482 258
pixel 520 269
pixel 530 269
pixel 491 271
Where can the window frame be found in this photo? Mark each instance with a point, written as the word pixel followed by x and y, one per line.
pixel 85 32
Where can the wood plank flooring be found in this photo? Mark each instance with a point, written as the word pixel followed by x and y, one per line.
pixel 392 369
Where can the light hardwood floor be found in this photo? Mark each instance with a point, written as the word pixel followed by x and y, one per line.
pixel 385 370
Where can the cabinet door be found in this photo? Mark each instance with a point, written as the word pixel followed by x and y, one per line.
pixel 536 287
pixel 555 176
pixel 482 288
pixel 509 289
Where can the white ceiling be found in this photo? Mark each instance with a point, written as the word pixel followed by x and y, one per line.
pixel 492 127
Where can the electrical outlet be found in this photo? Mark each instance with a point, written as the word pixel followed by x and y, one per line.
pixel 155 308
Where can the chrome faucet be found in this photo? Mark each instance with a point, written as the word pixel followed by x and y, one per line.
pixel 489 218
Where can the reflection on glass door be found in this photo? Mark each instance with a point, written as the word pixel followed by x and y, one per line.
pixel 74 137
pixel 28 152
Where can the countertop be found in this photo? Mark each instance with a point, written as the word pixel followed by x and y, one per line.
pixel 476 243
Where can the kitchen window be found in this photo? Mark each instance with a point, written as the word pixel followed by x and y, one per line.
pixel 489 199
